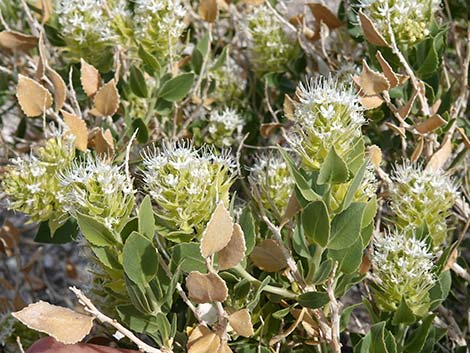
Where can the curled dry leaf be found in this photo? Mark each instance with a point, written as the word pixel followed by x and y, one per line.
pixel 431 124
pixel 206 288
pixel 293 207
pixel 398 130
pixel 289 107
pixel 387 70
pixel 234 251
pixel 65 325
pixel 371 102
pixel 375 155
pixel 465 138
pixel 33 97
pixel 218 231
pixel 371 82
pixel 267 130
pixel 324 14
pixel 17 41
pixel 404 110
pixel 107 99
pixel 289 330
pixel 268 256
pixel 370 32
pixel 441 156
pixel 42 59
pixel 208 10
pixel 241 323
pixel 103 142
pixel 90 78
pixel 418 150
pixel 77 127
pixel 60 89
pixel 46 10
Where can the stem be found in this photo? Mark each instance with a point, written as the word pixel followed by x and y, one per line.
pixel 270 289
pixel 334 312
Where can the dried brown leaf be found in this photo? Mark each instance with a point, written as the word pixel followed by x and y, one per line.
pixel 60 89
pixel 218 231
pixel 465 138
pixel 234 251
pixel 371 102
pixel 206 288
pixel 268 129
pixel 371 82
pixel 431 124
pixel 241 323
pixel 33 97
pixel 17 41
pixel 103 143
pixel 289 107
pixel 375 155
pixel 208 343
pixel 253 2
pixel 46 10
pixel 77 127
pixel 370 32
pixel 90 78
pixel 324 14
pixel 268 256
pixel 404 110
pixel 418 150
pixel 208 10
pixel 398 130
pixel 106 100
pixel 293 207
pixel 63 324
pixel 289 330
pixel 441 156
pixel 387 70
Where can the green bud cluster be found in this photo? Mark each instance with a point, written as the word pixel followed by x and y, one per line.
pixel 271 48
pixel 409 19
pixel 99 190
pixel 402 270
pixel 230 83
pixel 186 183
pixel 420 196
pixel 32 185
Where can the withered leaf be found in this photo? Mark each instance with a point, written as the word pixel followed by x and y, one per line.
pixel 206 288
pixel 324 14
pixel 241 323
pixel 234 251
pixel 33 97
pixel 65 325
pixel 77 127
pixel 371 82
pixel 107 99
pixel 17 41
pixel 431 124
pixel 208 343
pixel 103 142
pixel 289 107
pixel 289 330
pixel 46 9
pixel 253 2
pixel 268 256
pixel 60 89
pixel 208 10
pixel 90 78
pixel 441 156
pixel 370 32
pixel 404 110
pixel 465 138
pixel 387 70
pixel 371 102
pixel 418 150
pixel 268 129
pixel 375 155
pixel 293 207
pixel 218 231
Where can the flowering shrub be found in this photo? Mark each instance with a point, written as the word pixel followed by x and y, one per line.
pixel 235 176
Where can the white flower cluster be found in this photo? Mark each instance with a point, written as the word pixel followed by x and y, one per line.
pixel 270 46
pixel 403 269
pixel 159 24
pixel 419 195
pixel 409 19
pixel 224 127
pixel 328 115
pixel 186 183
pixel 230 82
pixel 271 175
pixel 98 189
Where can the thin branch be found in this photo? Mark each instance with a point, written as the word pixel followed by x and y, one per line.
pixel 334 312
pixel 91 308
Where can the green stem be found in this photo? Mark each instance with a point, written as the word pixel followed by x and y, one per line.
pixel 314 263
pixel 270 289
pixel 400 337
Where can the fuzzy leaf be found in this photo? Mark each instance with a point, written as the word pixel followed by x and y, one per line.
pixel 206 288
pixel 140 259
pixel 241 323
pixel 333 169
pixel 316 223
pixel 234 251
pixel 106 101
pixel 218 231
pixel 268 256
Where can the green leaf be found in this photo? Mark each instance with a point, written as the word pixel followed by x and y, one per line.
pixel 221 59
pixel 131 226
pixel 252 304
pixel 151 65
pixel 302 185
pixel 137 82
pixel 346 315
pixel 441 289
pixel 353 186
pixel 323 272
pixel 316 223
pixel 346 226
pixel 143 133
pixel 64 234
pixel 146 218
pixel 177 88
pixel 333 170
pixel 417 339
pixel 247 223
pixel 107 257
pixel 282 313
pixel 298 242
pixel 203 44
pixel 313 300
pixel 403 315
pixel 350 258
pixel 378 342
pixel 137 321
pixel 431 63
pixel 369 212
pixel 140 259
pixel 94 231
pixel 188 257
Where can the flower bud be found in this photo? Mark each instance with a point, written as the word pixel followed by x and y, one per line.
pixel 224 128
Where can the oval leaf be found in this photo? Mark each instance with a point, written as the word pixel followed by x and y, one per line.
pixel 175 89
pixel 77 127
pixel 33 97
pixel 17 41
pixel 90 78
pixel 218 231
pixel 241 323
pixel 107 99
pixel 140 259
pixel 234 251
pixel 206 288
pixel 268 256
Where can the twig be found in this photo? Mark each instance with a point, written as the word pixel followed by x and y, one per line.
pixel 128 152
pixel 20 346
pixel 460 271
pixel 334 312
pixel 3 22
pixel 279 17
pixel 29 17
pixel 91 308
